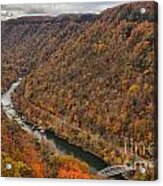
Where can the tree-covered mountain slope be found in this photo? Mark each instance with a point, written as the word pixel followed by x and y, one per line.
pixel 91 79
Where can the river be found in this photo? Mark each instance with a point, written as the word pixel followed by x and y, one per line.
pixel 63 147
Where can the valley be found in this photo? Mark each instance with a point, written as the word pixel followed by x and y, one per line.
pixel 89 80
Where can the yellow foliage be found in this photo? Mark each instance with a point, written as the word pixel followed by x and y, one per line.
pixel 134 89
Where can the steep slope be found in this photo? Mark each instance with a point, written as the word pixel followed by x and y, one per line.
pixel 30 158
pixel 28 42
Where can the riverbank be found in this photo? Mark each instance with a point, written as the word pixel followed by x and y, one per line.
pixel 60 145
pixel 84 138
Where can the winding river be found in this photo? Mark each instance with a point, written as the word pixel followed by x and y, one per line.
pixel 60 144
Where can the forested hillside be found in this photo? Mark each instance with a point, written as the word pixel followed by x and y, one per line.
pixel 89 78
pixel 30 158
pixel 28 42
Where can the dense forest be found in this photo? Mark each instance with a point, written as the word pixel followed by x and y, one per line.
pixel 30 158
pixel 89 78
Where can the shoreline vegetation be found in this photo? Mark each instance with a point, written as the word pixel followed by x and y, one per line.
pixel 45 160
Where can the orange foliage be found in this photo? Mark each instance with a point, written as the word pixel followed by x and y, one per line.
pixel 38 169
pixel 72 174
pixel 72 168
